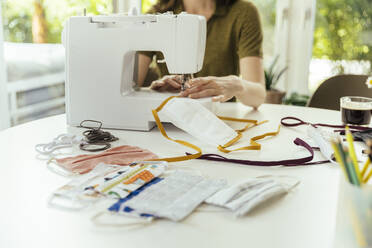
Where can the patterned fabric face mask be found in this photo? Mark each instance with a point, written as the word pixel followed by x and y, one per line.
pixel 104 181
pixel 122 155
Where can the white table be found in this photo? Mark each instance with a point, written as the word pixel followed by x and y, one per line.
pixel 303 218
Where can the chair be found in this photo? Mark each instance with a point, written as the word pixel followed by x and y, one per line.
pixel 331 90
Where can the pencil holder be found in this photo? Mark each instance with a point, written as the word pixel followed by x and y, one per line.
pixel 354 216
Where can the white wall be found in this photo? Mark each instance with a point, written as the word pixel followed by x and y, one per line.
pixel 4 110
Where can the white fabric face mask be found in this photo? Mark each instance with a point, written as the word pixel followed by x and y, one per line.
pixel 241 198
pixel 222 197
pixel 176 196
pixel 192 117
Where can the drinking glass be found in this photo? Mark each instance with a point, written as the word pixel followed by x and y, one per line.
pixel 356 110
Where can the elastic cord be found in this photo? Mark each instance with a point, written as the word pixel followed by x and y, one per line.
pixel 298 122
pixel 94 136
pixel 104 146
pixel 288 162
pixel 47 149
pixel 61 141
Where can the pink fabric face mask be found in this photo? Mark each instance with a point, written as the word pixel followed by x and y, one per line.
pixel 122 155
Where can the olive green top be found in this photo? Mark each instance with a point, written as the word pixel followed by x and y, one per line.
pixel 233 32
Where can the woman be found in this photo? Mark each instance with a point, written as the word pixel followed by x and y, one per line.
pixel 234 46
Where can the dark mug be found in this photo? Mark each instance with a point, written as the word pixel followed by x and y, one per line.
pixel 356 110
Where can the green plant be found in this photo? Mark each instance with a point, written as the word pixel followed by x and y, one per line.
pixel 342 30
pixel 272 75
pixel 17 20
pixel 296 99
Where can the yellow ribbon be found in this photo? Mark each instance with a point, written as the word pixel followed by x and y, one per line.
pixel 254 145
pixel 185 143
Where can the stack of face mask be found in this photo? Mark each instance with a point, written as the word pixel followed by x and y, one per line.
pixel 105 181
pixel 174 197
pixel 241 198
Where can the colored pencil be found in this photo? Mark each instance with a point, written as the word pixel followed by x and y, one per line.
pixel 343 159
pixel 365 167
pixel 368 177
pixel 339 159
pixel 351 167
pixel 354 159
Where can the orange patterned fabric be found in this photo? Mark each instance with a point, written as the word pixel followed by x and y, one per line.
pixel 145 175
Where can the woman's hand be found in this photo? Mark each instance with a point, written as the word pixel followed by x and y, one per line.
pixel 221 89
pixel 171 83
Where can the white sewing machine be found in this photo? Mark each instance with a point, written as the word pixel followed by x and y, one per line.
pixel 100 63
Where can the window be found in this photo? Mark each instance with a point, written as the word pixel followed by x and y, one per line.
pixel 34 56
pixel 342 40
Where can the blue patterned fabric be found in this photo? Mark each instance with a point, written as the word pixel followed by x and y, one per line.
pixel 115 207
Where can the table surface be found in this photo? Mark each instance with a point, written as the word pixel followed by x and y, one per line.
pixel 303 218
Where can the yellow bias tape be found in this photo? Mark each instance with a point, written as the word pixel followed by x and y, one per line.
pixel 184 143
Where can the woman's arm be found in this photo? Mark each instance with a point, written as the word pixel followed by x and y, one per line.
pixel 253 81
pixel 249 89
pixel 143 67
pixel 170 83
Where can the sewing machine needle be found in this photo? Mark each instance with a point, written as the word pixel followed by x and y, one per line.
pixel 185 78
pixel 183 81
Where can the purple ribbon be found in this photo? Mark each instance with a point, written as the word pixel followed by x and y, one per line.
pixel 288 162
pixel 291 121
